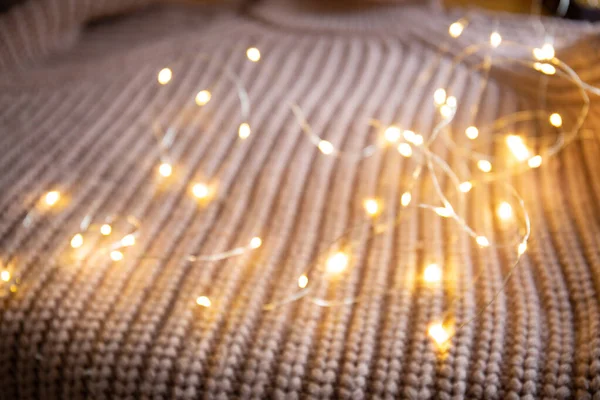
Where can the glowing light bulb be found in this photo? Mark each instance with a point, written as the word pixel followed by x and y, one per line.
pixel 128 240
pixel 165 169
pixel 302 281
pixel 77 241
pixel 371 206
pixel 13 288
pixel 326 147
pixel 456 29
pixel 405 199
pixel 465 187
pixel 546 52
pixel 451 101
pixel 203 97
pixel 164 76
pixel 337 263
pixel 517 147
pixel 438 333
pixel 535 161
pixel 522 248
pixel 392 134
pixel 405 150
pixel 555 120
pixel 444 211
pixel 116 255
pixel 544 68
pixel 203 301
pixel 106 229
pixel 484 165
pixel 432 273
pixel 52 198
pixel 253 54
pixel 446 111
pixel 495 39
pixel 5 276
pixel 482 241
pixel 439 96
pixel 504 210
pixel 256 242
pixel 244 131
pixel 472 132
pixel 200 190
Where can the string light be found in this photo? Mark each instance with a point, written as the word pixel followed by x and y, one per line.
pixel 52 198
pixel 456 29
pixel 405 150
pixel 432 274
pixel 5 276
pixel 200 190
pixel 326 147
pixel 244 131
pixel 438 333
pixel 484 165
pixel 302 281
pixel 482 241
pixel 337 263
pixel 116 255
pixel 203 301
pixel 522 248
pixel 535 161
pixel 255 243
pixel 77 241
pixel 164 76
pixel 555 120
pixel 451 101
pixel 546 52
pixel 446 111
pixel 405 199
pixel 444 211
pixel 465 187
pixel 544 68
pixel 517 147
pixel 371 206
pixel 165 169
pixel 392 134
pixel 203 97
pixel 253 54
pixel 504 210
pixel 472 132
pixel 128 240
pixel 495 39
pixel 439 96
pixel 105 229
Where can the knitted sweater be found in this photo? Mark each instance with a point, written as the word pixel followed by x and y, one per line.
pixel 79 109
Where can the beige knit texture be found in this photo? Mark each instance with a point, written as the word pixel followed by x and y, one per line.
pixel 79 120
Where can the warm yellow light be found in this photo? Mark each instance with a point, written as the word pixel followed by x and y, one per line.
pixel 456 29
pixel 517 147
pixel 128 240
pixel 495 39
pixel 106 229
pixel 446 111
pixel 504 210
pixel 200 190
pixel 116 255
pixel 392 134
pixel 203 97
pixel 417 139
pixel 522 248
pixel 555 120
pixel 405 199
pixel 326 147
pixel 77 241
pixel 546 52
pixel 404 149
pixel 371 206
pixel 544 68
pixel 244 130
pixel 203 301
pixel 484 165
pixel 256 242
pixel 302 281
pixel 465 186
pixel 535 161
pixel 444 211
pixel 164 76
pixel 52 198
pixel 472 132
pixel 253 54
pixel 432 273
pixel 13 288
pixel 439 96
pixel 482 241
pixel 451 101
pixel 337 263
pixel 438 333
pixel 5 276
pixel 165 169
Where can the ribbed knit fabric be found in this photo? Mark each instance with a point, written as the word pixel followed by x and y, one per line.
pixel 80 121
